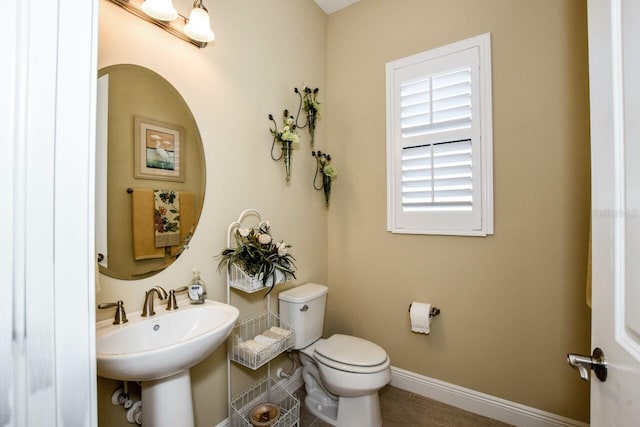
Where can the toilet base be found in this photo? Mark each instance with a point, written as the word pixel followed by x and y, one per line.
pixel 339 411
pixel 363 411
pixel 324 409
pixel 318 400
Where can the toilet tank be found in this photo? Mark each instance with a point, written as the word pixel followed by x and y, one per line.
pixel 302 307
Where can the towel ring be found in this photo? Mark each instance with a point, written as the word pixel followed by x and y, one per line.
pixel 433 313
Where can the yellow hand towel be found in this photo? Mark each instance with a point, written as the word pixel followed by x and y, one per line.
pixel 142 210
pixel 589 271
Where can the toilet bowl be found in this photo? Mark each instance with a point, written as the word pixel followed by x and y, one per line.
pixel 342 374
pixel 351 366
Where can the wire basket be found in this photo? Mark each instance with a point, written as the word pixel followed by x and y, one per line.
pixel 265 391
pixel 259 339
pixel 240 280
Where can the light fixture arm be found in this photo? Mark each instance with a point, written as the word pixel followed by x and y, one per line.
pixel 199 5
pixel 175 27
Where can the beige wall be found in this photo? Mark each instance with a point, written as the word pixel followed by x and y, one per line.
pixel 513 303
pixel 261 52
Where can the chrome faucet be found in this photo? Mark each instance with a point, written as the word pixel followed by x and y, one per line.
pixel 147 309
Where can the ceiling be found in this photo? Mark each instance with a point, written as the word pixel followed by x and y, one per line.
pixel 330 6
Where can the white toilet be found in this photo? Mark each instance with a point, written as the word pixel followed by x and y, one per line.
pixel 342 374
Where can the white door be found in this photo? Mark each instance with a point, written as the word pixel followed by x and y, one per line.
pixel 614 66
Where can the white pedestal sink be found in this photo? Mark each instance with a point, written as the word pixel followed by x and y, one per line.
pixel 159 350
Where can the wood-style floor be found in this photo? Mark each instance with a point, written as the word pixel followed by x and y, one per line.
pixel 403 408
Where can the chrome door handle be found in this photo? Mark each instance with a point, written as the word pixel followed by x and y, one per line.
pixel 583 364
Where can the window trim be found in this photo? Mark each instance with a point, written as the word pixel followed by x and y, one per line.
pixel 483 44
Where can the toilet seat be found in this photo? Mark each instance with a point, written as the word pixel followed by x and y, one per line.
pixel 351 354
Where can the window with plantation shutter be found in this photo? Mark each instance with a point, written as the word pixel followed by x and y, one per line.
pixel 439 141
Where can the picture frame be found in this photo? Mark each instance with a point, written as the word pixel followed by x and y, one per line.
pixel 159 150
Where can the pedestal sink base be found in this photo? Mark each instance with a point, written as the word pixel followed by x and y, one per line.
pixel 167 402
pixel 149 348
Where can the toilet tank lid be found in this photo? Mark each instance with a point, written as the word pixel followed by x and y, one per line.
pixel 303 293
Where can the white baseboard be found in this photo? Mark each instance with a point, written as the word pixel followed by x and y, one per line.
pixel 460 397
pixel 479 403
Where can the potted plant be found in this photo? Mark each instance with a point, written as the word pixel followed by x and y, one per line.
pixel 257 260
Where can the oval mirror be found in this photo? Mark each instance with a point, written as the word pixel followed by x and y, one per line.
pixel 150 172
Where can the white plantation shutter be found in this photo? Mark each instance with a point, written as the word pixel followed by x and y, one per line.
pixel 437 103
pixel 436 183
pixel 437 177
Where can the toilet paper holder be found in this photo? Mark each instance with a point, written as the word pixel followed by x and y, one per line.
pixel 434 311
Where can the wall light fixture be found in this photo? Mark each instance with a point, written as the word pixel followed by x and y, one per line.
pixel 195 30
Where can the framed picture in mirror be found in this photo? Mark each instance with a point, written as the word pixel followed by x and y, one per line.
pixel 159 150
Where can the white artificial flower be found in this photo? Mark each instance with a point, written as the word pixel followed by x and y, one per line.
pixel 282 250
pixel 290 121
pixel 244 232
pixel 264 239
pixel 291 136
pixel 286 129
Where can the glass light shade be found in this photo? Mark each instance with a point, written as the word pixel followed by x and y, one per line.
pixel 162 10
pixel 199 26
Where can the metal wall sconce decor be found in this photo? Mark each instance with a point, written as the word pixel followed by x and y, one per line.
pixel 287 137
pixel 310 105
pixel 327 173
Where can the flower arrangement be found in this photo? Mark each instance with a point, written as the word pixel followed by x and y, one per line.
pixel 311 107
pixel 288 132
pixel 258 255
pixel 286 137
pixel 327 171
